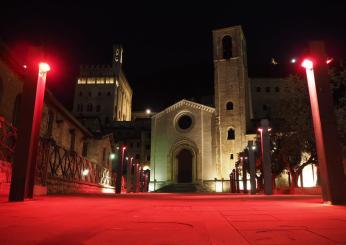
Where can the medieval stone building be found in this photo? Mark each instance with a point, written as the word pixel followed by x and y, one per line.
pixel 103 93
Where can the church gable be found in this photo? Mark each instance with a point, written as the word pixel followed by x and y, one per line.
pixel 184 103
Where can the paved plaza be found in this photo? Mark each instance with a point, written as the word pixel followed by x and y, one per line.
pixel 172 219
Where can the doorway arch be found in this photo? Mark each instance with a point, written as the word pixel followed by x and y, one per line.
pixel 183 146
pixel 184 158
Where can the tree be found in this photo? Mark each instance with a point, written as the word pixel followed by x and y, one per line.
pixel 293 134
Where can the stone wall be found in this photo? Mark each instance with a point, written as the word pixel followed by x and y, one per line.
pixel 60 186
pixel 54 185
pixel 5 180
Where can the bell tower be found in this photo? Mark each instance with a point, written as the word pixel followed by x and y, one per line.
pixel 117 58
pixel 231 96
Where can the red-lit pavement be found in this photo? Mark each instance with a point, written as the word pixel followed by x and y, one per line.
pixel 172 219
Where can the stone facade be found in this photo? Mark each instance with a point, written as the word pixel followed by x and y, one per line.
pixel 231 97
pixel 169 138
pixel 10 89
pixel 103 92
pixel 266 94
pixel 217 134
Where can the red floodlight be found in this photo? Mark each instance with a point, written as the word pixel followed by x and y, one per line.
pixel 308 64
pixel 44 67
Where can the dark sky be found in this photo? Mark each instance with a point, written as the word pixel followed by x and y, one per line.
pixel 168 48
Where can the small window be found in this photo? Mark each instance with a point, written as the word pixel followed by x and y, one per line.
pixel 229 106
pixel 231 156
pixel 80 93
pixel 89 94
pixel 80 108
pixel 99 93
pixel 258 89
pixel 50 123
pixel 264 107
pixel 230 134
pixel 85 149
pixel 98 108
pixel 90 107
pixel 267 89
pixel 108 93
pixel 104 154
pixel 72 139
pixel 227 47
pixel 277 89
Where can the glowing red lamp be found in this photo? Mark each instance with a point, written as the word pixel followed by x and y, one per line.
pixel 308 64
pixel 44 67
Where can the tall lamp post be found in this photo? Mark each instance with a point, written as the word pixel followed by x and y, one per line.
pixel 129 176
pixel 252 166
pixel 24 163
pixel 267 167
pixel 333 179
pixel 120 171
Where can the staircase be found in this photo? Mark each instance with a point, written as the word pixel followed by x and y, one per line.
pixel 182 188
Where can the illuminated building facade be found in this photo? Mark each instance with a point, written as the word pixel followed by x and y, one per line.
pixel 195 143
pixel 103 92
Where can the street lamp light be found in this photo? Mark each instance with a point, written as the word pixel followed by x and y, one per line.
pixel 24 162
pixel 265 150
pixel 118 183
pixel 328 149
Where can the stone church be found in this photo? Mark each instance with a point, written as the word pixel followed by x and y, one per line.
pixel 195 143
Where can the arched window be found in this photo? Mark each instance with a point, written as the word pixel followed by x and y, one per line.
pixel 16 110
pixel 229 106
pixel 89 107
pixel 231 134
pixel 227 47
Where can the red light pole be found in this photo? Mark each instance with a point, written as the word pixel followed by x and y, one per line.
pixel 333 180
pixel 129 176
pixel 24 163
pixel 120 171
pixel 265 147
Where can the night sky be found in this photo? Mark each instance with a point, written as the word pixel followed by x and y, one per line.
pixel 167 45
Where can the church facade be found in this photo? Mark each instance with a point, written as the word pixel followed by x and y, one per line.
pixel 194 143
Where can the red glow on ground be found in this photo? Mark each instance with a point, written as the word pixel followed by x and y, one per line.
pixel 201 219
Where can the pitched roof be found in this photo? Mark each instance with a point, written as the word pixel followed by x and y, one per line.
pixel 185 102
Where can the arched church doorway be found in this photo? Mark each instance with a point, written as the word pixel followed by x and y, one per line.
pixel 184 166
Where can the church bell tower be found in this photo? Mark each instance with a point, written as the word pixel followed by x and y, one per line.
pixel 231 96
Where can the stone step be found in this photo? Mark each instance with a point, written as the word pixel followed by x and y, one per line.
pixel 180 187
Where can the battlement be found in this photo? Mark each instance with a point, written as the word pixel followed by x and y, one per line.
pixel 96 70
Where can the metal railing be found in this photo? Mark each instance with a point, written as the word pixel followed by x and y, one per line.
pixel 55 161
